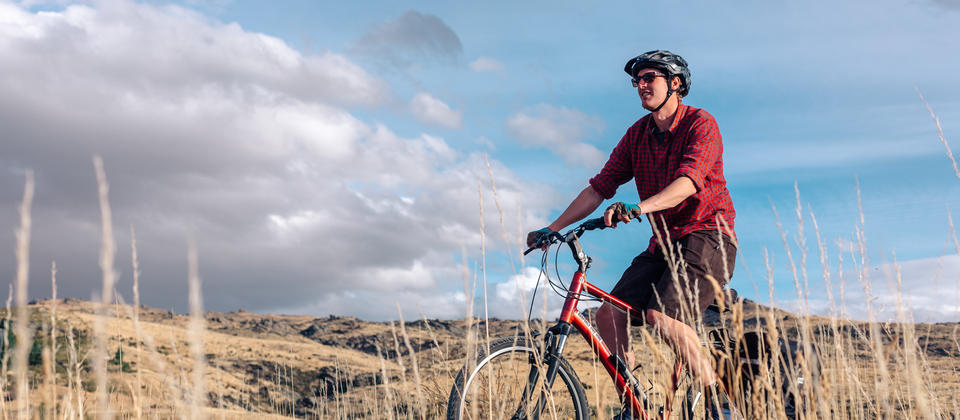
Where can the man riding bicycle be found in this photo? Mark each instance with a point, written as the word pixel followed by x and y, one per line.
pixel 674 155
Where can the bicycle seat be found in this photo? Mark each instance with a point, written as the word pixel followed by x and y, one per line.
pixel 729 297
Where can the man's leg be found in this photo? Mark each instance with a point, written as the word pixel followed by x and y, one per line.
pixel 614 328
pixel 684 296
pixel 685 342
pixel 635 287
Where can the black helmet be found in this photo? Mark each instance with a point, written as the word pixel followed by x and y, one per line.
pixel 670 63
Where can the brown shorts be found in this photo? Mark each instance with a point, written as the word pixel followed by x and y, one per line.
pixel 649 283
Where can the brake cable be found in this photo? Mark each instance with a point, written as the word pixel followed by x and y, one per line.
pixel 556 285
pixel 543 265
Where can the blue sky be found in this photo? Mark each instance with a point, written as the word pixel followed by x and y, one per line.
pixel 260 98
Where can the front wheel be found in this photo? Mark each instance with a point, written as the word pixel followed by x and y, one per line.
pixel 508 383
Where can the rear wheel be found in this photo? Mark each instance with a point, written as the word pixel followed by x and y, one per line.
pixel 801 376
pixel 712 405
pixel 508 383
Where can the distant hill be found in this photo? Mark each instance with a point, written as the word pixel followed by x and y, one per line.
pixel 258 364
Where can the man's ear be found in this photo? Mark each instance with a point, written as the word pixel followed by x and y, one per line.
pixel 676 83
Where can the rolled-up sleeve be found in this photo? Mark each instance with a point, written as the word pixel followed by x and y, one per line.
pixel 618 169
pixel 701 152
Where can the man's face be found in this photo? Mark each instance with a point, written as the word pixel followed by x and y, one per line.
pixel 654 92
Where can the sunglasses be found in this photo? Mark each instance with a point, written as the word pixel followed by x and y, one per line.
pixel 646 78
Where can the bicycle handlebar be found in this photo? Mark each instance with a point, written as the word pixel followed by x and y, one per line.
pixel 555 237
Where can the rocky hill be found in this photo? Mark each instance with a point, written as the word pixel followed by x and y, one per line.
pixel 258 364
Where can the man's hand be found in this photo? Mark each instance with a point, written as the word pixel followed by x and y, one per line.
pixel 621 212
pixel 534 237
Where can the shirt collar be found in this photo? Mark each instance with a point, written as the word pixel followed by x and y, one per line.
pixel 681 111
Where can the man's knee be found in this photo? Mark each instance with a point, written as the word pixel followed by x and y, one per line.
pixel 653 317
pixel 608 316
pixel 604 315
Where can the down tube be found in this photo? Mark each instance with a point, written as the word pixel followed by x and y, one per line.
pixel 604 354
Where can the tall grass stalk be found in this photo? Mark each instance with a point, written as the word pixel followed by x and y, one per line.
pixel 50 375
pixel 525 326
pixel 74 375
pixel 399 352
pixel 956 247
pixel 469 334
pixel 181 387
pixel 496 200
pixel 483 262
pixel 884 404
pixel 5 360
pixel 159 366
pixel 135 263
pixel 418 383
pixel 433 336
pixel 910 357
pixel 107 254
pixel 822 393
pixel 196 331
pixel 943 139
pixel 22 326
pixel 390 405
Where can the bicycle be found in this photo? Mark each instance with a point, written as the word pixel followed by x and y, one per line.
pixel 515 377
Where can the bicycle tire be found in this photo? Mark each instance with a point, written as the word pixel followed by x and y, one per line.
pixel 801 374
pixel 493 386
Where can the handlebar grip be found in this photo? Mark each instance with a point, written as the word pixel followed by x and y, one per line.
pixel 594 224
pixel 544 240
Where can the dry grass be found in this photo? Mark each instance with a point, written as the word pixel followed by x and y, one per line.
pixel 250 369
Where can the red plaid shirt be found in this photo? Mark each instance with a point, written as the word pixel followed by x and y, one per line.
pixel 691 147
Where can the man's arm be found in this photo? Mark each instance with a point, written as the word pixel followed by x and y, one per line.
pixel 585 203
pixel 667 198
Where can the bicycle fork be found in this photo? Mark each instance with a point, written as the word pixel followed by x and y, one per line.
pixel 554 342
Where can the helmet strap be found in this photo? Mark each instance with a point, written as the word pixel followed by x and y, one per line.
pixel 669 92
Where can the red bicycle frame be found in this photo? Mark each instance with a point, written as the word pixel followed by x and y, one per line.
pixel 569 315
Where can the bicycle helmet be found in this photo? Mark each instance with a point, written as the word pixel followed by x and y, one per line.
pixel 666 61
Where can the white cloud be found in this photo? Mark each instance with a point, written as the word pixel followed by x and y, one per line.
pixel 246 144
pixel 486 143
pixel 486 64
pixel 519 286
pixel 512 298
pixel 386 306
pixel 430 110
pixel 560 130
pixel 416 276
pixel 143 48
pixel 929 292
pixel 324 132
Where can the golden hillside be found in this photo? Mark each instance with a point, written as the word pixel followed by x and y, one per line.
pixel 256 365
